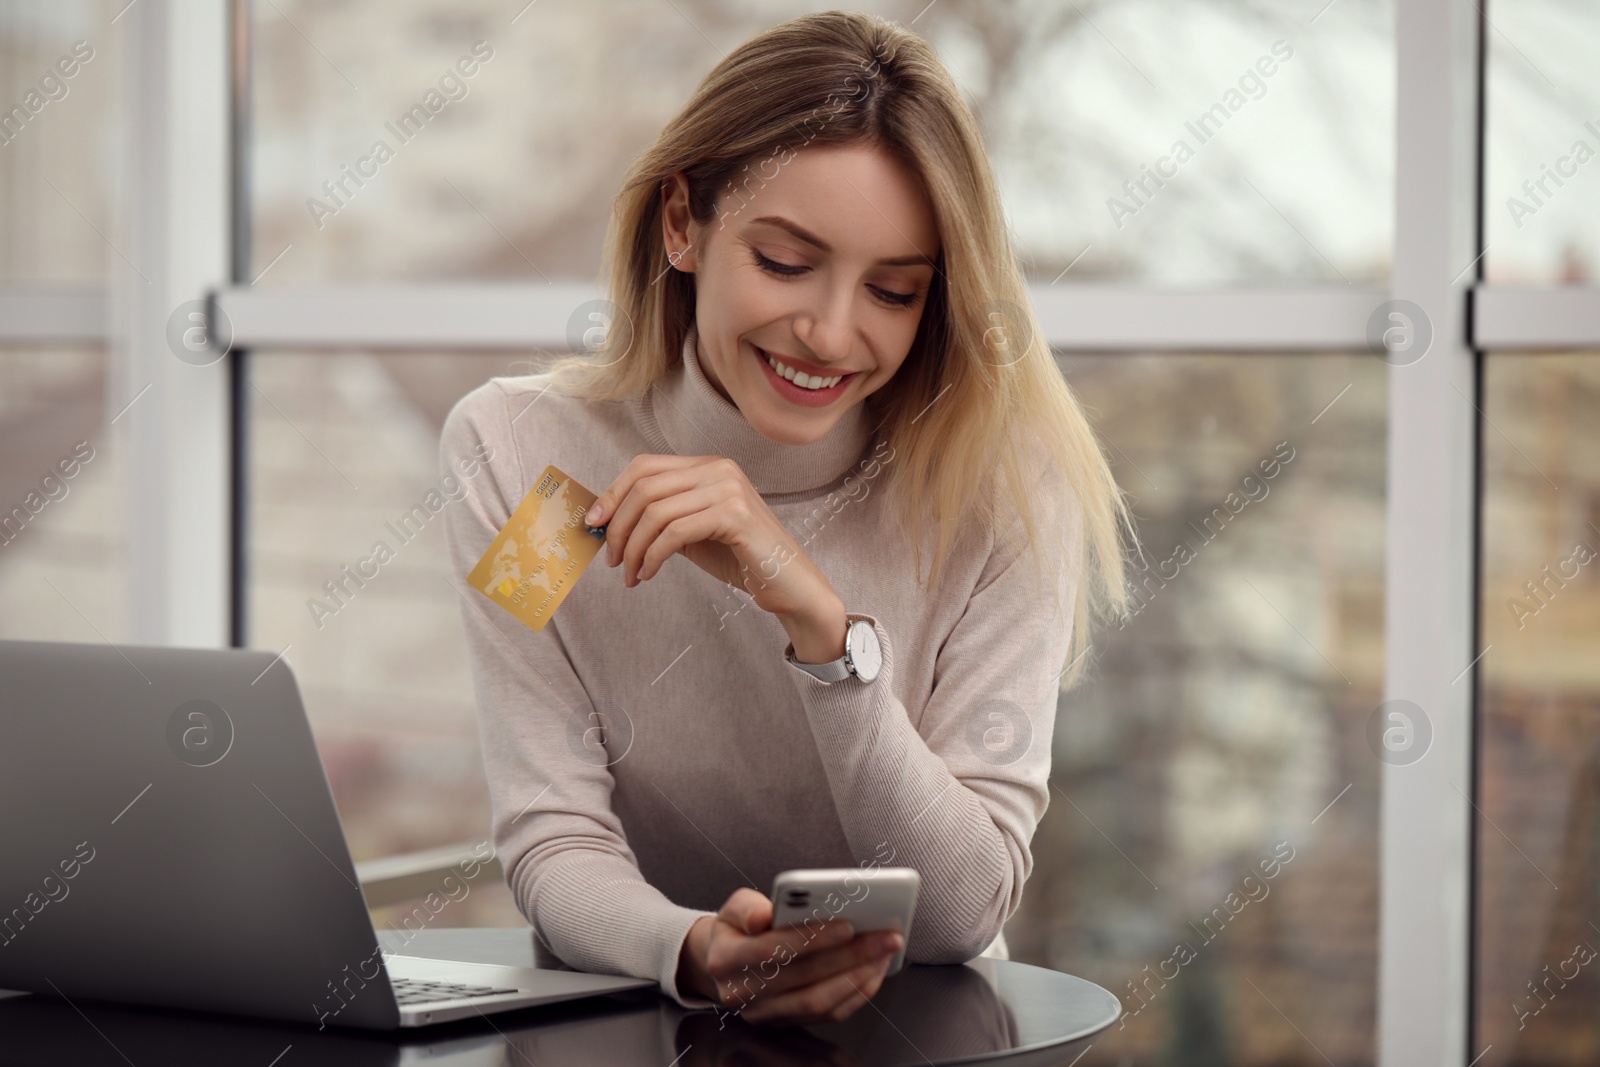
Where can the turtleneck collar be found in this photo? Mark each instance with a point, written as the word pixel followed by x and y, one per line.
pixel 683 413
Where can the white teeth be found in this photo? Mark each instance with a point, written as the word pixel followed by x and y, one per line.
pixel 801 378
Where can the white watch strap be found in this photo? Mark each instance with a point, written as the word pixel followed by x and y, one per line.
pixel 832 671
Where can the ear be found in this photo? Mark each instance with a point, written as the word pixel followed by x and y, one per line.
pixel 678 228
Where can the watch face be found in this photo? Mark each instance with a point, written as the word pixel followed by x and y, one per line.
pixel 865 655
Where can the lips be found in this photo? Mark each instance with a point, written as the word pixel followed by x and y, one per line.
pixel 808 369
pixel 799 394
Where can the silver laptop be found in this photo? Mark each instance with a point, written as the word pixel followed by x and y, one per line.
pixel 167 837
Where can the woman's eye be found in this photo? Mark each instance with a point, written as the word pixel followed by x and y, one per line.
pixel 904 300
pixel 772 266
pixel 789 270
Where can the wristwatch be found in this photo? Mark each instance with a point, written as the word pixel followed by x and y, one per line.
pixel 863 656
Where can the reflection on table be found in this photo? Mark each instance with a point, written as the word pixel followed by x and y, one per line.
pixel 926 1014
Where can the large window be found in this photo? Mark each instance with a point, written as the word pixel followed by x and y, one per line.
pixel 62 550
pixel 1200 746
pixel 1539 766
pixel 63 559
pixel 1198 143
pixel 1222 206
pixel 59 65
pixel 344 448
pixel 1224 726
pixel 1537 916
pixel 1543 127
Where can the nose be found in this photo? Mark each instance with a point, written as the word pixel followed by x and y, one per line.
pixel 827 328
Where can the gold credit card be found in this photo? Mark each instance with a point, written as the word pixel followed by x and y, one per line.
pixel 536 558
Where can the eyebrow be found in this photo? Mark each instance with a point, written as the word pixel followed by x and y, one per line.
pixel 812 239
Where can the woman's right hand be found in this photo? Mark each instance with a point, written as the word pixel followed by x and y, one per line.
pixel 796 975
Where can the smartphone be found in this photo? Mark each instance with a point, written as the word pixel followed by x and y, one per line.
pixel 883 898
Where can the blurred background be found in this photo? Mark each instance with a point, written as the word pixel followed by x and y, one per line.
pixel 1227 716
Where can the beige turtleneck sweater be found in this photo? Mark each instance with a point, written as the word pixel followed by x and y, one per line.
pixel 651 750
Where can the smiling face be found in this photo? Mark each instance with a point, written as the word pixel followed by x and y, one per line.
pixel 824 269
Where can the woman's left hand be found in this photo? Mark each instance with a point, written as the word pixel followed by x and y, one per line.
pixel 706 508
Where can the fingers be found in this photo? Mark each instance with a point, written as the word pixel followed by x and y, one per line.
pixel 748 910
pixel 643 501
pixel 794 974
pixel 832 999
pixel 744 954
pixel 827 961
pixel 664 527
pixel 646 465
pixel 643 491
pixel 769 953
pixel 605 504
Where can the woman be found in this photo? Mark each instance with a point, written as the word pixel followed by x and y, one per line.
pixel 821 372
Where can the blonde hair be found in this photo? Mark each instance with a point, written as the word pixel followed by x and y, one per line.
pixel 978 387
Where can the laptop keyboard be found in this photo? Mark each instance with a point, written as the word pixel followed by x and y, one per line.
pixel 416 991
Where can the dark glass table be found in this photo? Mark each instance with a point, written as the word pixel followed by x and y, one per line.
pixel 983 1011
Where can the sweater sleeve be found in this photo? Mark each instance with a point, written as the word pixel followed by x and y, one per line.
pixel 565 856
pixel 957 791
